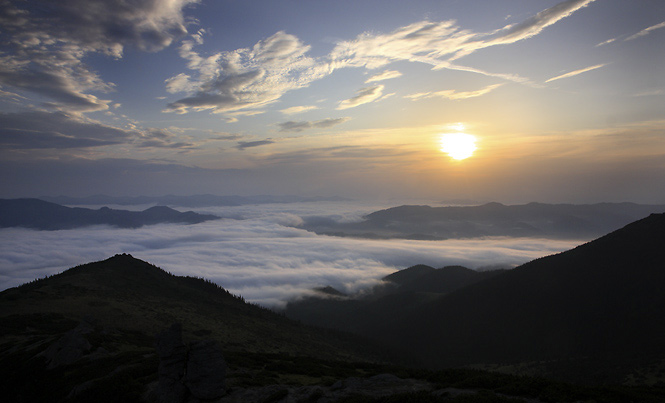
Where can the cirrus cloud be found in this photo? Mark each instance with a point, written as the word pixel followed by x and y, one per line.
pixel 293 126
pixel 364 96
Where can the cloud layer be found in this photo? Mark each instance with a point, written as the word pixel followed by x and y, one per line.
pixel 255 253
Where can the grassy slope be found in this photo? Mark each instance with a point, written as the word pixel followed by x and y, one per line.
pixel 131 300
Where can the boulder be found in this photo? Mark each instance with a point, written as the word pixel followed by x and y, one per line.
pixel 196 371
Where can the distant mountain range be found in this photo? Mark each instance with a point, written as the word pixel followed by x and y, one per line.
pixel 43 215
pixel 493 219
pixel 206 200
pixel 593 313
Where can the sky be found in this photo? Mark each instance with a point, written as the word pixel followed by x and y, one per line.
pixel 565 99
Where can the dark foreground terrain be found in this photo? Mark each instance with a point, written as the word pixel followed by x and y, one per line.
pixel 125 330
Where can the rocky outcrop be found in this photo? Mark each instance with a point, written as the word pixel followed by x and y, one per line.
pixel 196 371
pixel 72 346
pixel 375 387
pixel 205 373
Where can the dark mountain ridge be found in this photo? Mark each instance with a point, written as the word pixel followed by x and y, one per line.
pixel 598 305
pixel 594 313
pixel 400 294
pixel 43 215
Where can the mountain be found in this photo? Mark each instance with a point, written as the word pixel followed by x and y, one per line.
pixel 595 311
pixel 592 314
pixel 124 330
pixel 98 320
pixel 206 200
pixel 400 295
pixel 39 214
pixel 567 221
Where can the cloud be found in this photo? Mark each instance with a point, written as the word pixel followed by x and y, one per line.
pixel 650 93
pixel 576 72
pixel 385 75
pixel 528 28
pixel 646 31
pixel 256 256
pixel 47 42
pixel 245 79
pixel 439 43
pixel 607 42
pixel 452 94
pixel 59 130
pixel 249 144
pixel 252 78
pixel 292 126
pixel 161 138
pixel 298 109
pixel 364 96
pixel 33 130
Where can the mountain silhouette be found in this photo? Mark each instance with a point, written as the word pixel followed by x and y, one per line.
pixel 43 215
pixel 400 295
pixel 599 303
pixel 120 329
pixel 95 325
pixel 594 313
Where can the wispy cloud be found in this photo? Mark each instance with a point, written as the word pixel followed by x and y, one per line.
pixel 646 31
pixel 576 72
pixel 60 130
pixel 250 144
pixel 298 109
pixel 649 93
pixel 452 94
pixel 385 75
pixel 439 43
pixel 252 78
pixel 298 126
pixel 364 96
pixel 607 42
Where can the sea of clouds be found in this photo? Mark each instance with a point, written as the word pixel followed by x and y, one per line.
pixel 258 251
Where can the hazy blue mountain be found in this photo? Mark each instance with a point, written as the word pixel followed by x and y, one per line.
pixel 43 215
pixel 206 200
pixel 493 219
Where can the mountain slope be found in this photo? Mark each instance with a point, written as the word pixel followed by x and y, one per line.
pixel 601 302
pixel 402 294
pixel 88 334
pixel 128 294
pixel 39 214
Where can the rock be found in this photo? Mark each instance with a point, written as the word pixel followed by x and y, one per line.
pixel 172 361
pixel 71 346
pixel 196 371
pixel 206 370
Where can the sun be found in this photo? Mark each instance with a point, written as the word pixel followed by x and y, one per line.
pixel 458 145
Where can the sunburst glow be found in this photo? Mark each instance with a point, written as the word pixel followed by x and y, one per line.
pixel 458 146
